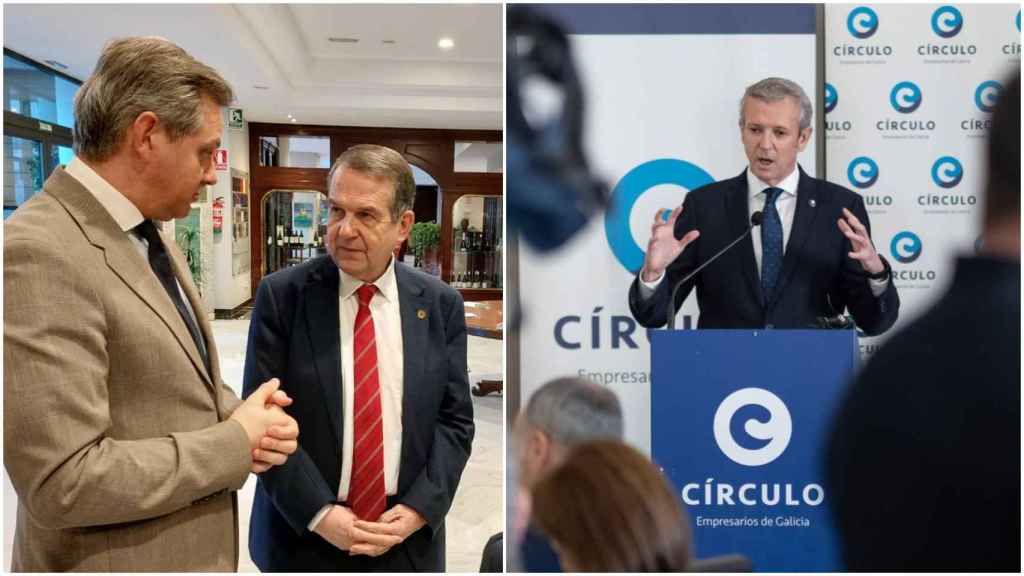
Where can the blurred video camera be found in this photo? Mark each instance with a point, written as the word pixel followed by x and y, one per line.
pixel 551 190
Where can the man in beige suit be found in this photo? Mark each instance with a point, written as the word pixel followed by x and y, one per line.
pixel 121 440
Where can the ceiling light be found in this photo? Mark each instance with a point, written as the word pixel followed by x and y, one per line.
pixel 56 64
pixel 293 119
pixel 389 42
pixel 446 43
pixel 339 40
pixel 289 116
pixel 260 87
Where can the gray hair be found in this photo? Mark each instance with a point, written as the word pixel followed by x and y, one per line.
pixel 380 162
pixel 775 89
pixel 143 74
pixel 574 410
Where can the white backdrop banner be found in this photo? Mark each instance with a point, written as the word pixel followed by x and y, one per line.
pixel 662 86
pixel 909 89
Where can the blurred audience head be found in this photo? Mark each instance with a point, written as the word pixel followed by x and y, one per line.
pixel 563 413
pixel 1002 194
pixel 609 508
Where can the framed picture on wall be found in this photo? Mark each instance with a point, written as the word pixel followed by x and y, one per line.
pixel 302 214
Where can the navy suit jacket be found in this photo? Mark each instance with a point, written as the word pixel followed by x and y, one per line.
pixel 294 336
pixel 817 277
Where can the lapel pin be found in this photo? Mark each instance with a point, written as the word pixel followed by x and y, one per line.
pixel 421 314
pixel 813 202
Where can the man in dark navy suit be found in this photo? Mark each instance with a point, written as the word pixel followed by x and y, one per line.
pixel 811 257
pixel 373 353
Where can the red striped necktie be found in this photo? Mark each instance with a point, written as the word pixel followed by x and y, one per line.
pixel 366 489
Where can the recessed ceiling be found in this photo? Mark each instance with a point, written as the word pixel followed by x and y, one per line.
pixel 279 57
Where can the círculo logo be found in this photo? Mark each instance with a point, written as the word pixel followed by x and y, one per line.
pixel 862 22
pixel 947 172
pixel 630 188
pixel 777 430
pixel 947 22
pixel 905 247
pixel 905 97
pixel 862 172
pixel 831 98
pixel 987 94
pixel 1013 48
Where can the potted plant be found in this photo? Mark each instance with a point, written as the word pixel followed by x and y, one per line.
pixel 424 240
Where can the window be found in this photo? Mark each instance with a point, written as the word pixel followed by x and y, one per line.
pixel 38 121
pixel 295 151
pixel 477 157
pixel 36 92
pixel 23 171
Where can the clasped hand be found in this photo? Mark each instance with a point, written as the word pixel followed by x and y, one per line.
pixel 344 530
pixel 273 434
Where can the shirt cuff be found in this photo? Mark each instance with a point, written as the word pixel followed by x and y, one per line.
pixel 647 288
pixel 878 287
pixel 319 516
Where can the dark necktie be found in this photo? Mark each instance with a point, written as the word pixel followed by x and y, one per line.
pixel 161 264
pixel 771 244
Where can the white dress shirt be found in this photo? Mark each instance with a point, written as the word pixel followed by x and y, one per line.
pixel 785 204
pixel 387 328
pixel 121 209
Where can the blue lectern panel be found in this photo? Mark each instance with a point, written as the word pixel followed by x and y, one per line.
pixel 739 423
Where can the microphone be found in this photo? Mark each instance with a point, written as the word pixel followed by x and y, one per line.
pixel 755 220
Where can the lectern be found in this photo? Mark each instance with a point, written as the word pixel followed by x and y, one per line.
pixel 739 423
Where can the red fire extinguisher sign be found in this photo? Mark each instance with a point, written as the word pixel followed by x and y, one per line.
pixel 220 158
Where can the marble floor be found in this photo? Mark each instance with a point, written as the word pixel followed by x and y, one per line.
pixel 478 510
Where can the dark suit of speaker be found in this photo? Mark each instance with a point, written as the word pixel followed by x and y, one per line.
pixel 817 279
pixel 294 336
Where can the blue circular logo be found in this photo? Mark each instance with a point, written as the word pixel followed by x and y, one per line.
pixel 831 98
pixel 986 95
pixel 630 189
pixel 947 21
pixel 905 247
pixel 862 22
pixel 862 172
pixel 905 97
pixel 947 172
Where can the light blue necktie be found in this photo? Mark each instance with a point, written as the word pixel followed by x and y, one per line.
pixel 771 244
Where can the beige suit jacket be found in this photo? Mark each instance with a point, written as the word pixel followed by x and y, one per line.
pixel 116 437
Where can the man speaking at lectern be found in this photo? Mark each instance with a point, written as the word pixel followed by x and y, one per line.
pixel 811 256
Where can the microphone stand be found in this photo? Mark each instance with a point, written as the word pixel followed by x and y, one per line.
pixel 755 220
